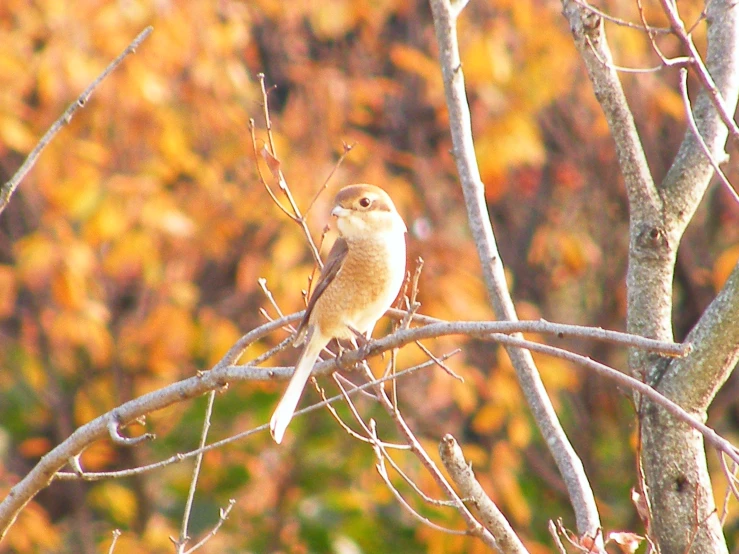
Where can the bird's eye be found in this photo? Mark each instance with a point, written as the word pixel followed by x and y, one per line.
pixel 365 202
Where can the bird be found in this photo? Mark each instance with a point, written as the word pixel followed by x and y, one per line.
pixel 361 278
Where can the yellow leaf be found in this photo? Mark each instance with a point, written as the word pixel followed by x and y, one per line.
pixel 218 335
pixel 118 501
pixel 171 332
pixel 129 256
pixel 70 330
pixel 670 102
pixel 464 395
pixel 508 143
pixel 16 135
pixel 488 58
pixel 519 431
pixel 109 221
pixel 488 419
pixel 331 19
pixel 417 62
pixel 78 194
pixel 506 462
pixel 36 257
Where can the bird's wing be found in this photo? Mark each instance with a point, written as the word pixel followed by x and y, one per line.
pixel 334 263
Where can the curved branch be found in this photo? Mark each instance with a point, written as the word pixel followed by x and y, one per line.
pixel 225 372
pixel 570 466
pixel 463 476
pixel 590 39
pixel 694 381
pixel 689 175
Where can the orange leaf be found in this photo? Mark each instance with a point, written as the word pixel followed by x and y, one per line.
pixel 8 290
pixel 724 266
pixel 34 447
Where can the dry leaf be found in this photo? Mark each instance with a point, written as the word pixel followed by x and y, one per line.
pixel 627 542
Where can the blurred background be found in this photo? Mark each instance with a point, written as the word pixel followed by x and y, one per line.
pixel 130 257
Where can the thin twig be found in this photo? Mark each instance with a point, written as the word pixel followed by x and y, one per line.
pixel 176 458
pixel 731 487
pixel 274 350
pixel 382 471
pixel 274 198
pixel 666 62
pixel 8 188
pixel 344 154
pixel 222 516
pixel 694 127
pixel 678 27
pixel 116 534
pixel 370 438
pixel 184 537
pixel 635 385
pixel 650 33
pixel 114 430
pixel 277 172
pixel 474 527
pixel 351 432
pixel 622 22
pixel 441 364
pixel 426 498
pixel 268 293
pixel 555 535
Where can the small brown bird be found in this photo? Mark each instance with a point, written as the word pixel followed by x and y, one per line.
pixel 362 276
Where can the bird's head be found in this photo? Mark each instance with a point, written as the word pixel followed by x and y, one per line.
pixel 363 209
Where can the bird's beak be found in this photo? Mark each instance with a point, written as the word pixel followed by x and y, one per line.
pixel 338 211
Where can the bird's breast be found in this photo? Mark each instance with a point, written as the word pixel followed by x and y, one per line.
pixel 364 288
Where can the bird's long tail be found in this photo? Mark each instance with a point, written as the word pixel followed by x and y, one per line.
pixel 286 408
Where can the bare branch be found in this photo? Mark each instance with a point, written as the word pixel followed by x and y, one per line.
pixel 97 476
pixel 184 537
pixel 347 148
pixel 635 385
pixel 115 435
pixel 569 465
pixel 623 23
pixel 473 525
pixel 462 475
pixel 255 150
pixel 699 137
pixel 555 535
pixel 441 364
pixel 590 40
pixel 116 534
pixel 426 498
pixel 704 76
pixel 694 380
pixel 222 516
pixel 382 471
pixel 298 217
pixel 223 373
pixel 8 188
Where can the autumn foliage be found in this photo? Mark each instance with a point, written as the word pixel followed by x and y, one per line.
pixel 131 257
